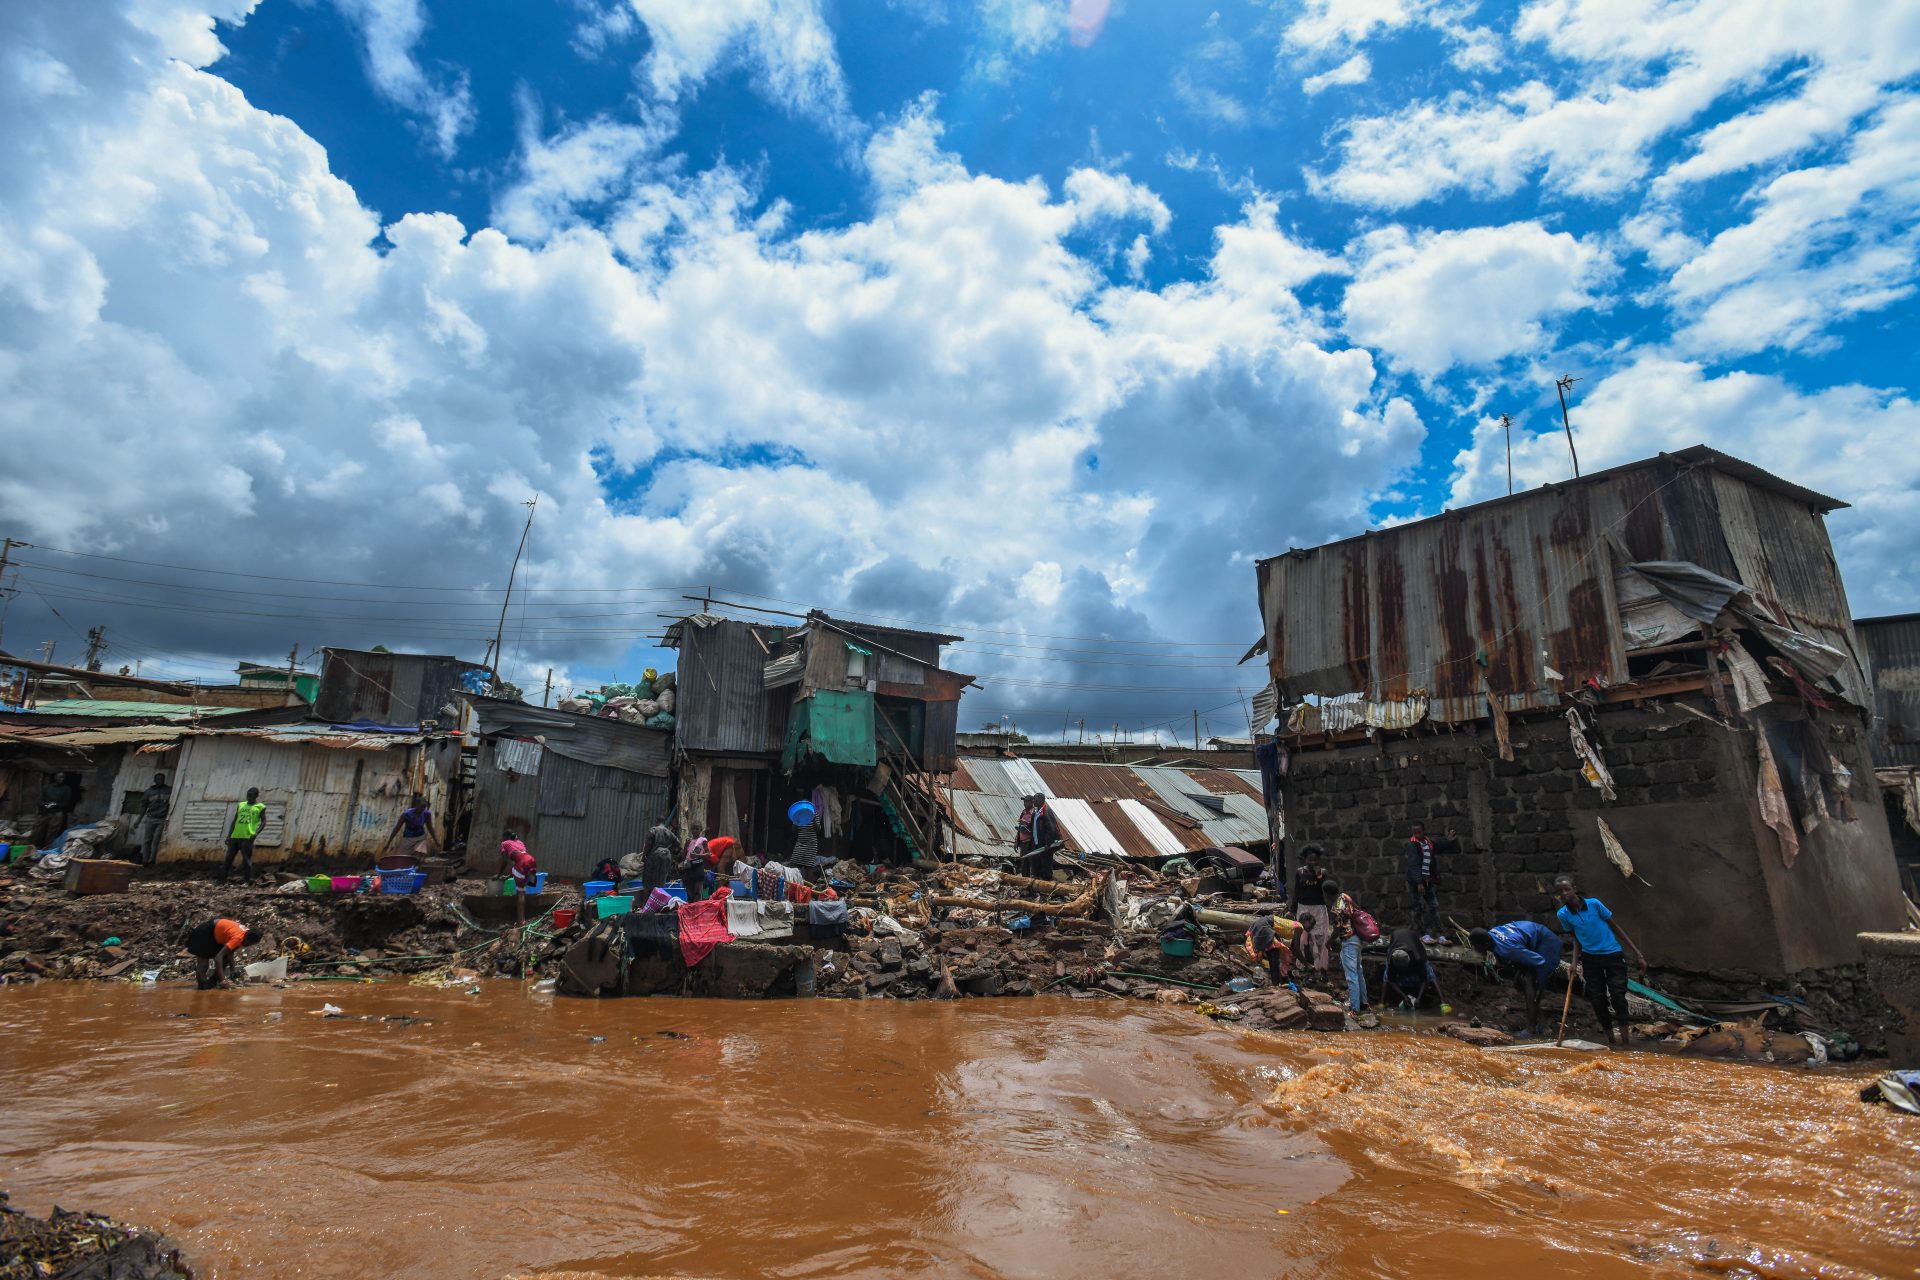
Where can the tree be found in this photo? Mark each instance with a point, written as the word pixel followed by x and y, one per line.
pixel 510 692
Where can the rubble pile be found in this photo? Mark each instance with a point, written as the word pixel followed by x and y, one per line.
pixel 83 1246
pixel 46 932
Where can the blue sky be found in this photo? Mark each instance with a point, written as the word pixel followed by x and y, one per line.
pixel 1036 320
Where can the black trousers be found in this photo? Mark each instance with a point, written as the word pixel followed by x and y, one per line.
pixel 242 849
pixel 1607 987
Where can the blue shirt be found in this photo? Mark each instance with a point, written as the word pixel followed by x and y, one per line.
pixel 1590 927
pixel 1529 945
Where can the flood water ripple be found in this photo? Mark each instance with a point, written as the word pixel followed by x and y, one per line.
pixel 433 1133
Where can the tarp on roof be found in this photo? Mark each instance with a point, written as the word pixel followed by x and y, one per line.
pixel 588 739
pixel 834 724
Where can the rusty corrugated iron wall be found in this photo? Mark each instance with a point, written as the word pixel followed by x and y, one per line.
pixel 1892 649
pixel 1487 598
pixel 722 703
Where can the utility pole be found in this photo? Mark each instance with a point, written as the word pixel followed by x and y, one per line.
pixel 549 691
pixel 1564 382
pixel 7 593
pixel 1196 728
pixel 500 635
pixel 96 645
pixel 293 656
pixel 1506 424
pixel 1083 731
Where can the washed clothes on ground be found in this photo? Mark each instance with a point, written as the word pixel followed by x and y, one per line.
pixel 1589 925
pixel 743 921
pixel 703 926
pixel 776 919
pixel 654 935
pixel 827 917
pixel 1529 944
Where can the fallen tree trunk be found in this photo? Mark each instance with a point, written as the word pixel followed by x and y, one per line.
pixel 1083 905
pixel 1223 919
pixel 1013 904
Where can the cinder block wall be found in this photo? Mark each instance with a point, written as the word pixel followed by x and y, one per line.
pixel 1710 889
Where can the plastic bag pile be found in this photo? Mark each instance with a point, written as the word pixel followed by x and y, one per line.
pixel 648 701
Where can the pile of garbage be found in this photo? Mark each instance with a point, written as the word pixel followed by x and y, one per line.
pixel 83 1246
pixel 648 701
pixel 46 932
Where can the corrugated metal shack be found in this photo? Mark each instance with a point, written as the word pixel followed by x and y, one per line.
pixel 331 793
pixel 1142 811
pixel 1656 660
pixel 1892 648
pixel 769 711
pixel 576 788
pixel 1500 596
pixel 361 686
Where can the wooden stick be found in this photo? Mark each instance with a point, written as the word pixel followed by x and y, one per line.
pixel 1566 1005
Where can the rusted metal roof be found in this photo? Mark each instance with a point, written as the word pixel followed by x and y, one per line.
pixel 1484 600
pixel 1092 781
pixel 1226 782
pixel 1139 811
pixel 1892 649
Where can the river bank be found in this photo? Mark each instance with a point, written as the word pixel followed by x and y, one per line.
pixel 948 932
pixel 432 1133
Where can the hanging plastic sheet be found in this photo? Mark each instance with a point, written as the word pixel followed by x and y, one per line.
pixel 1593 766
pixel 1749 681
pixel 1774 809
pixel 1700 594
pixel 1502 731
pixel 1615 851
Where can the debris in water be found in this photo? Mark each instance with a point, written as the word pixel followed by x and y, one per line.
pixel 85 1245
pixel 331 1011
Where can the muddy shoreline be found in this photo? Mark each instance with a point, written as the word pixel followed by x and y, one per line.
pixel 452 933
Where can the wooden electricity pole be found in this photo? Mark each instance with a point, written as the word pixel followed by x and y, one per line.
pixel 1562 384
pixel 500 634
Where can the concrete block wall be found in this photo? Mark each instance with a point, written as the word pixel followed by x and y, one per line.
pixel 1711 889
pixel 1517 820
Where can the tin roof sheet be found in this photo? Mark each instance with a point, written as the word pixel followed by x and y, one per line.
pixel 1083 828
pixel 112 708
pixel 1137 811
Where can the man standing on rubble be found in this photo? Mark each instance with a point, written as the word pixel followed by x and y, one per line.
pixel 155 803
pixel 1603 965
pixel 1423 878
pixel 1046 835
pixel 248 817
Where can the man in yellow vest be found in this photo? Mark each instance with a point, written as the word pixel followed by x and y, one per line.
pixel 248 817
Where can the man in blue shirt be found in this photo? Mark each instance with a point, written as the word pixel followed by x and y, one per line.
pixel 1532 949
pixel 1602 963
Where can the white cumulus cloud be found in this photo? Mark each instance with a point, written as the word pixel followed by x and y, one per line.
pixel 1436 299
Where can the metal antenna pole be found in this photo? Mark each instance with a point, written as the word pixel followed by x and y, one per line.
pixel 1506 424
pixel 1562 384
pixel 500 634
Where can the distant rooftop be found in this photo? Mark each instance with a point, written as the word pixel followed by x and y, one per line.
pixel 107 709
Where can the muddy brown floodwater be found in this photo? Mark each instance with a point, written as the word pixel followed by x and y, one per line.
pixel 433 1133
